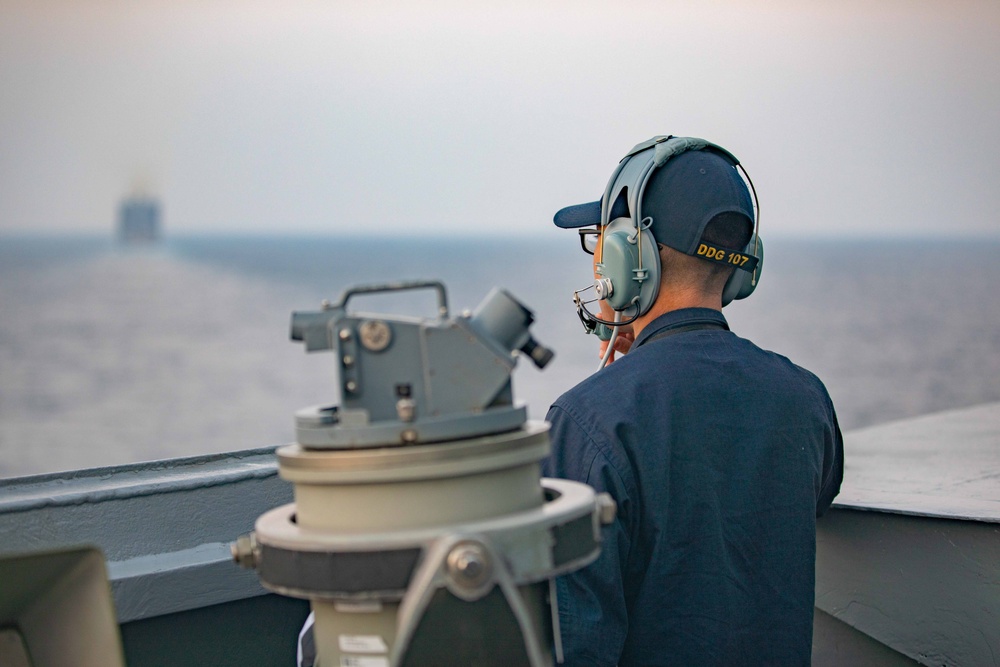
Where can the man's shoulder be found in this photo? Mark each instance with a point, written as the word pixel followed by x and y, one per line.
pixel 682 365
pixel 784 370
pixel 595 392
pixel 597 403
pixel 580 405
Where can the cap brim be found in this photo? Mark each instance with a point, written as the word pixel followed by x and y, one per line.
pixel 581 215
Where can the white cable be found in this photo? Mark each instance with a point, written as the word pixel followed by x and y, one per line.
pixel 306 627
pixel 611 343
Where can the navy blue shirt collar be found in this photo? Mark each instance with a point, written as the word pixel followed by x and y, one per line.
pixel 676 319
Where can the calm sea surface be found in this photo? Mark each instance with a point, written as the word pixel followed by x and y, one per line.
pixel 112 355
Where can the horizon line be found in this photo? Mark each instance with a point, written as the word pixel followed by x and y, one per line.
pixel 480 234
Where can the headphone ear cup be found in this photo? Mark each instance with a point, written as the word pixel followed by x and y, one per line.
pixel 620 265
pixel 742 283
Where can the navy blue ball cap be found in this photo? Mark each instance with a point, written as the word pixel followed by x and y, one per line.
pixel 681 197
pixel 688 192
pixel 580 215
pixel 587 215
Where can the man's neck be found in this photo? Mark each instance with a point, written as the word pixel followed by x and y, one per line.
pixel 669 300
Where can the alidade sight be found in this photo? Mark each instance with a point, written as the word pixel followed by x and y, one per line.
pixel 409 380
pixel 422 532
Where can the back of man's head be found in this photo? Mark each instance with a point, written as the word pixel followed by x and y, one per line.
pixel 690 191
pixel 697 197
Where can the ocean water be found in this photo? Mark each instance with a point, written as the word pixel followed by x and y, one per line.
pixel 111 355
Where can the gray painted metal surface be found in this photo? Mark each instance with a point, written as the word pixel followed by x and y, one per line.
pixel 909 556
pixel 836 644
pixel 163 526
pixel 928 588
pixel 405 380
pixel 944 465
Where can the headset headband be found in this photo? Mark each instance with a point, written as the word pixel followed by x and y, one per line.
pixel 633 172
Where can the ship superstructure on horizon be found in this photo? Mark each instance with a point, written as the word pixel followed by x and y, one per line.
pixel 139 220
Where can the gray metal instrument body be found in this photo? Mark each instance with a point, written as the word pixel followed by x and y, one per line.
pixel 421 531
pixel 410 380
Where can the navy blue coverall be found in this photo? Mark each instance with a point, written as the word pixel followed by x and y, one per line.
pixel 720 456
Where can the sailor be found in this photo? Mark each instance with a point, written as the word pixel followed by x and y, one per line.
pixel 719 454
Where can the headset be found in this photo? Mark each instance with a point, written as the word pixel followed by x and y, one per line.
pixel 628 275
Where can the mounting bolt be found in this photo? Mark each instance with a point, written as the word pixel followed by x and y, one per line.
pixel 344 334
pixel 470 567
pixel 245 550
pixel 406 409
pixel 351 386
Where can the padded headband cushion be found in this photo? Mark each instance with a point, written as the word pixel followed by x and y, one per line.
pixel 687 192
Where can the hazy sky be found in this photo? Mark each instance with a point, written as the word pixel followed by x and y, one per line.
pixel 874 118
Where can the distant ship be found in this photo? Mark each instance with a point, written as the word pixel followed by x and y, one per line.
pixel 139 220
